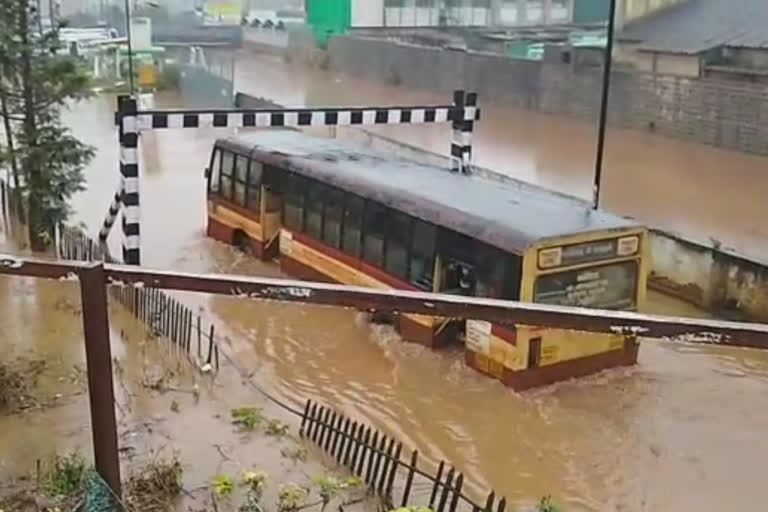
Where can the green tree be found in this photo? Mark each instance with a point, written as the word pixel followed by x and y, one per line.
pixel 37 78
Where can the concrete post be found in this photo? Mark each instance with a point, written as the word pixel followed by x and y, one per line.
pixel 522 12
pixel 546 12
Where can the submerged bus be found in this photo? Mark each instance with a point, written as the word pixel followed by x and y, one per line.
pixel 335 212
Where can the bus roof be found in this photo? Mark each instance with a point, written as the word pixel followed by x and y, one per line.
pixel 510 216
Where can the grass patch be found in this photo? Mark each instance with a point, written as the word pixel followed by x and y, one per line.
pixel 154 487
pixel 277 428
pixel 16 382
pixel 63 476
pixel 247 418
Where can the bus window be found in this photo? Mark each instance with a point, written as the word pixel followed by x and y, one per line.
pixel 612 286
pixel 353 225
pixel 396 257
pixel 214 171
pixel 490 272
pixel 422 267
pixel 254 186
pixel 334 211
pixel 227 163
pixel 375 222
pixel 241 177
pixel 313 210
pixel 293 204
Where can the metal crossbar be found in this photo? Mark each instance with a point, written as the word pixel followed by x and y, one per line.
pixel 400 301
pixel 131 121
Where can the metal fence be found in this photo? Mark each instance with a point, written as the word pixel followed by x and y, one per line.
pixel 162 315
pixel 378 460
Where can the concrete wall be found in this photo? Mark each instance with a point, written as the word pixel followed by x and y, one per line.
pixel 704 275
pixel 727 114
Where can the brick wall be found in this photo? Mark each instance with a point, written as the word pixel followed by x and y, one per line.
pixel 727 114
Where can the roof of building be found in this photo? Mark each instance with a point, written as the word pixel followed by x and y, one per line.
pixel 699 25
pixel 504 215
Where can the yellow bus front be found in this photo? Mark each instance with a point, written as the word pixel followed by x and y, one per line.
pixel 602 270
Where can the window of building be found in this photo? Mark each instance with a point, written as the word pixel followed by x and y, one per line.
pixel 398 231
pixel 240 179
pixel 332 217
pixel 227 164
pixel 293 203
pixel 422 268
pixel 214 171
pixel 313 209
pixel 352 225
pixel 255 174
pixel 375 223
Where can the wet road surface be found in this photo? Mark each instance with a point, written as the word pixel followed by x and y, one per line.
pixel 664 435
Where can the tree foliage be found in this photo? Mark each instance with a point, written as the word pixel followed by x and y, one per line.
pixel 37 79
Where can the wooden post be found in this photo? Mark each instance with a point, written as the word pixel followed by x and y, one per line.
pixel 438 477
pixel 93 296
pixel 352 438
pixel 306 406
pixel 446 489
pixel 385 466
pixel 344 441
pixel 392 473
pixel 371 455
pixel 409 478
pixel 457 493
pixel 365 439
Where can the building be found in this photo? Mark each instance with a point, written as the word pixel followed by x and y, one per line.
pixel 696 38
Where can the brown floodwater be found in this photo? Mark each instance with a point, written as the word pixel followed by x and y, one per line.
pixel 664 435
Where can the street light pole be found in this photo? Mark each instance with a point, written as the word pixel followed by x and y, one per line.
pixel 604 105
pixel 130 51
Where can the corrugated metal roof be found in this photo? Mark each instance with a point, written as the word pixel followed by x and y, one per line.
pixel 699 25
pixel 499 214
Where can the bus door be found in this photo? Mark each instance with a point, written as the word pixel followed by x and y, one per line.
pixel 271 204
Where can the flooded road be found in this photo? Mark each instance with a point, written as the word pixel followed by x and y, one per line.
pixel 664 435
pixel 700 191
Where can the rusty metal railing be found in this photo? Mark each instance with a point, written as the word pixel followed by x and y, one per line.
pixel 95 277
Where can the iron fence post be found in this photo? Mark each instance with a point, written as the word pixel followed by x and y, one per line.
pixel 93 293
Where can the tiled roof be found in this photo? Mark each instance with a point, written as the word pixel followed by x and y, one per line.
pixel 698 25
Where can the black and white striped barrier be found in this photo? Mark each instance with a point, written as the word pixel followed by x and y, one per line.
pixel 131 121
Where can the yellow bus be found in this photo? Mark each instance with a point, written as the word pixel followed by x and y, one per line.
pixel 334 212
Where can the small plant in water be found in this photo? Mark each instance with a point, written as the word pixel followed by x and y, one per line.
pixel 63 476
pixel 331 486
pixel 291 497
pixel 255 481
pixel 249 418
pixel 223 486
pixel 276 428
pixel 295 453
pixel 547 505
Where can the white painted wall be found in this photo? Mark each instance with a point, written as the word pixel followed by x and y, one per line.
pixel 367 13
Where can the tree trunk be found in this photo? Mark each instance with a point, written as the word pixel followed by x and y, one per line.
pixel 31 165
pixel 17 206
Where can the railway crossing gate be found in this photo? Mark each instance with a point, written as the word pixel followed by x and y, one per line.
pixel 131 121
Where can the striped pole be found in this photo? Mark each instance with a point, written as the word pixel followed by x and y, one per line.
pixel 463 125
pixel 114 209
pixel 129 177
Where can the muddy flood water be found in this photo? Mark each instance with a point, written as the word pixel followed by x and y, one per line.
pixel 682 430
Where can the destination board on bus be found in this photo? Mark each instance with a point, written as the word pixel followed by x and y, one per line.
pixel 588 252
pixel 604 287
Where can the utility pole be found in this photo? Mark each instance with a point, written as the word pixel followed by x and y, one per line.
pixel 608 59
pixel 130 50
